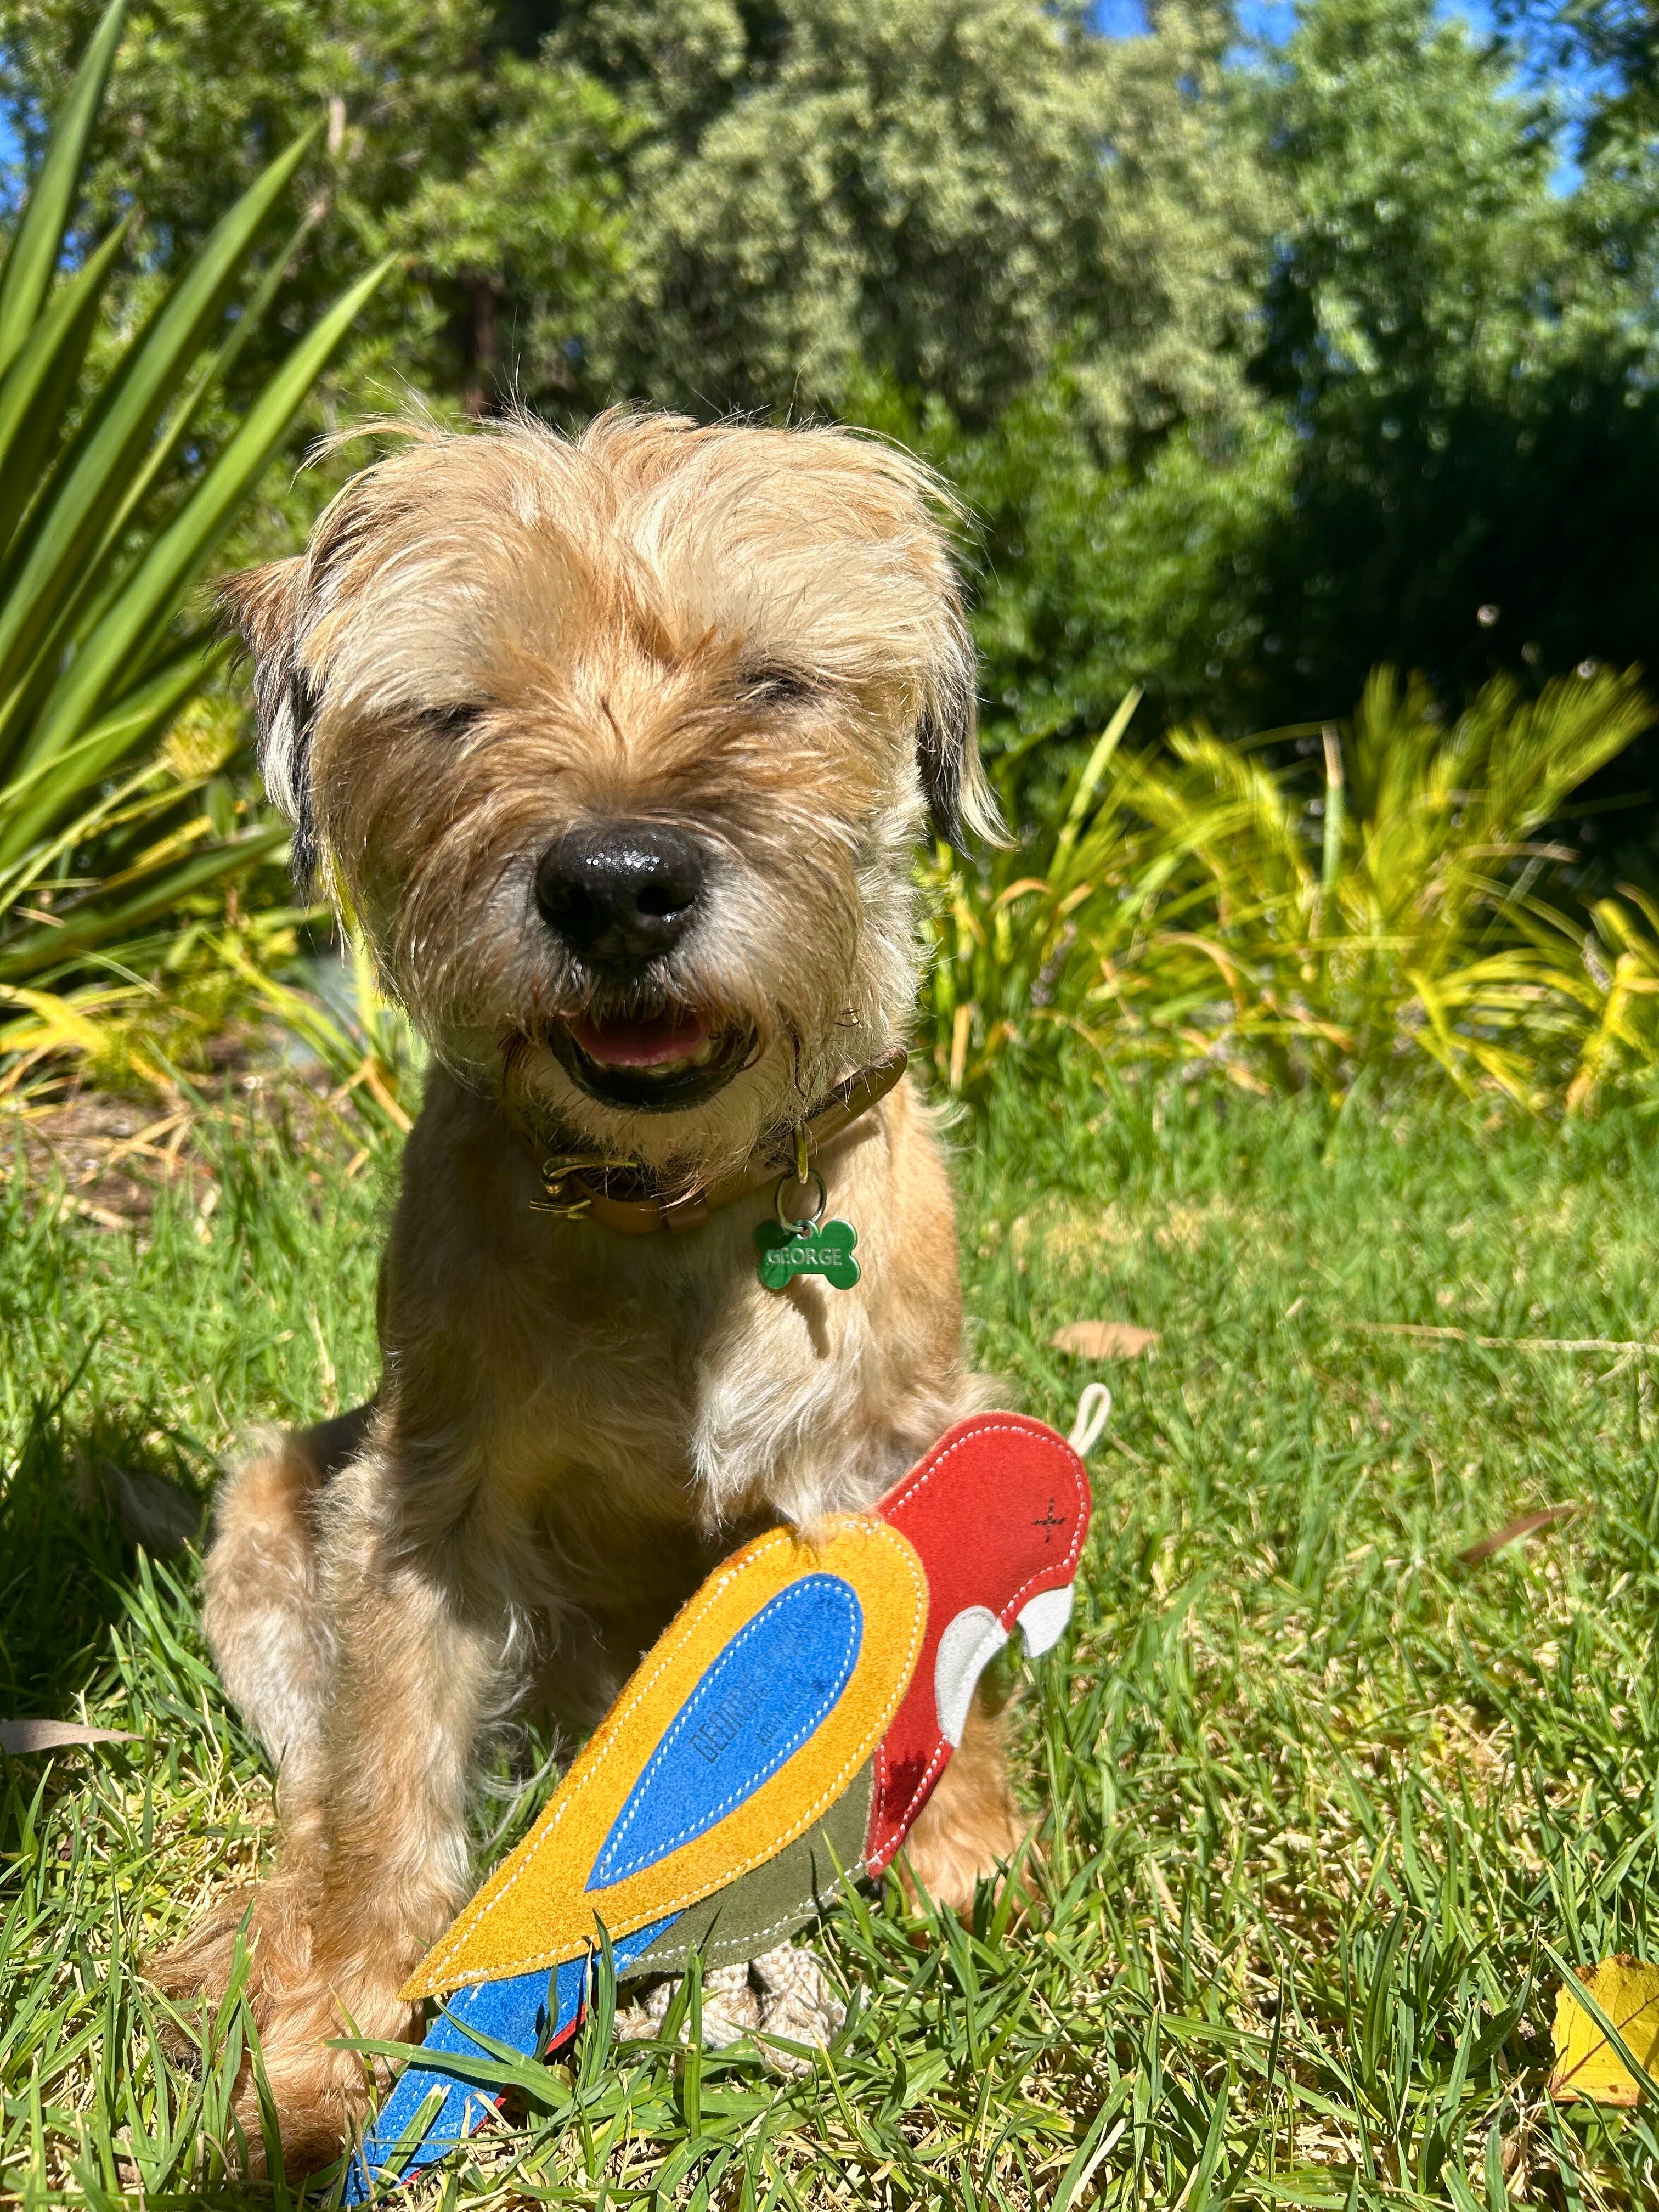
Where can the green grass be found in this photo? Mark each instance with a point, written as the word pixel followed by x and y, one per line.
pixel 1318 1803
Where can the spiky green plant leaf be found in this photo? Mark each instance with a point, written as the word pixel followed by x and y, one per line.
pixel 108 519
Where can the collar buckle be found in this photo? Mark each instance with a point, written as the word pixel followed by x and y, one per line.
pixel 575 1185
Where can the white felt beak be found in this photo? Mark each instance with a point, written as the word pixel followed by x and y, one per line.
pixel 967 1648
pixel 1044 1619
pixel 974 1639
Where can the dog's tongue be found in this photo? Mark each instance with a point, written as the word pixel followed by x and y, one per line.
pixel 639 1044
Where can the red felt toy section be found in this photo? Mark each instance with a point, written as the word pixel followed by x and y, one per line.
pixel 998 1509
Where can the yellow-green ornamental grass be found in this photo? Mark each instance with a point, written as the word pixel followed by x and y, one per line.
pixel 1400 907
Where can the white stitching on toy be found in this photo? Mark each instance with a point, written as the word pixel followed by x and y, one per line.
pixel 883 1857
pixel 819 1898
pixel 854 1638
pixel 558 1957
pixel 671 1651
pixel 693 1896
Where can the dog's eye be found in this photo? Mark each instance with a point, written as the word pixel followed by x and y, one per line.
pixel 774 685
pixel 449 721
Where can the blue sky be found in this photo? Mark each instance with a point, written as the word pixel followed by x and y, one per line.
pixel 1272 19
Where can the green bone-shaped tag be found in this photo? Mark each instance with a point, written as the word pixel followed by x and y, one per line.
pixel 826 1251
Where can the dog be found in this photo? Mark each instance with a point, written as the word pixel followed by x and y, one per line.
pixel 617 749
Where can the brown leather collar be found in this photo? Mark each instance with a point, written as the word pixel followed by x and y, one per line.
pixel 582 1187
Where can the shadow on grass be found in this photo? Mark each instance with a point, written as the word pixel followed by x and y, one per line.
pixel 76 1506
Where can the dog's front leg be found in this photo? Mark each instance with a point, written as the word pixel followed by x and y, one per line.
pixel 373 1857
pixel 415 1676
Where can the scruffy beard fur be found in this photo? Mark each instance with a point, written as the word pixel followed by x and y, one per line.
pixel 751 639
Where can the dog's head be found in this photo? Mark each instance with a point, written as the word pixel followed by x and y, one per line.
pixel 619 747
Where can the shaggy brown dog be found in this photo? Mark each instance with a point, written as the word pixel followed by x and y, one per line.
pixel 618 749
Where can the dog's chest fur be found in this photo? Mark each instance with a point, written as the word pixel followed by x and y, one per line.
pixel 596 1418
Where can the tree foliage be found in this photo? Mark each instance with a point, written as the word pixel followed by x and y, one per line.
pixel 1254 369
pixel 489 176
pixel 1470 354
pixel 954 196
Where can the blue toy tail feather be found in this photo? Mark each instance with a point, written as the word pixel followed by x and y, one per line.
pixel 513 2012
pixel 516 2012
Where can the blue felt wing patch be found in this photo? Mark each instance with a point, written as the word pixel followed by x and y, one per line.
pixel 772 1686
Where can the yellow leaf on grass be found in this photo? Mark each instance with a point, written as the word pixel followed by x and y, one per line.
pixel 1104 1339
pixel 1586 2063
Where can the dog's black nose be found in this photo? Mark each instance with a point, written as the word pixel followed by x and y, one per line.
pixel 621 895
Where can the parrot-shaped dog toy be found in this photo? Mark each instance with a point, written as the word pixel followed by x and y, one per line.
pixel 779 1738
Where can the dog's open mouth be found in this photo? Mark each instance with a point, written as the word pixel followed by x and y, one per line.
pixel 660 1062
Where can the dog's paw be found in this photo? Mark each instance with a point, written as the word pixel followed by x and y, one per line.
pixel 200 1964
pixel 318 2093
pixel 263 1923
pixel 298 2008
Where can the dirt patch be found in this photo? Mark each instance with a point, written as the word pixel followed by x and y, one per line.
pixel 112 1156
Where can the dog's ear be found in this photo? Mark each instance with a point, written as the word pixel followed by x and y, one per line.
pixel 958 792
pixel 266 607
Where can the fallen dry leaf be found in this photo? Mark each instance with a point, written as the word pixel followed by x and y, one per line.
pixel 1104 1339
pixel 1586 2063
pixel 1528 1524
pixel 51 1735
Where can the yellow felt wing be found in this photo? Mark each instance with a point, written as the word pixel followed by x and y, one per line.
pixel 741 1727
